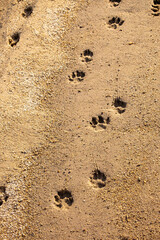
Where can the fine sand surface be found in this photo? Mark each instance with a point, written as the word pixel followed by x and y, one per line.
pixel 79 119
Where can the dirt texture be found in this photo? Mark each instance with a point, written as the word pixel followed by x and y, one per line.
pixel 79 122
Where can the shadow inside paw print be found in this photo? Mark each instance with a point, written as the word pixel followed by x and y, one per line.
pixel 115 21
pixel 77 76
pixel 3 195
pixel 115 2
pixel 14 39
pixel 98 178
pixel 27 11
pixel 87 55
pixel 156 1
pixel 100 121
pixel 63 198
pixel 120 105
pixel 156 8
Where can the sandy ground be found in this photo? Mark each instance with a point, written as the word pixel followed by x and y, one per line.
pixel 79 122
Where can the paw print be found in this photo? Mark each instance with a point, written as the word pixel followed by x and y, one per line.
pixel 98 178
pixel 27 11
pixel 120 105
pixel 114 22
pixel 14 39
pixel 87 56
pixel 63 198
pixel 156 8
pixel 3 195
pixel 100 121
pixel 77 76
pixel 115 2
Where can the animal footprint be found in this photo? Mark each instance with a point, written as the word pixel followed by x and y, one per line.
pixel 3 195
pixel 115 21
pixel 27 11
pixel 120 105
pixel 14 39
pixel 98 179
pixel 77 76
pixel 100 121
pixel 155 8
pixel 87 56
pixel 63 198
pixel 115 2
